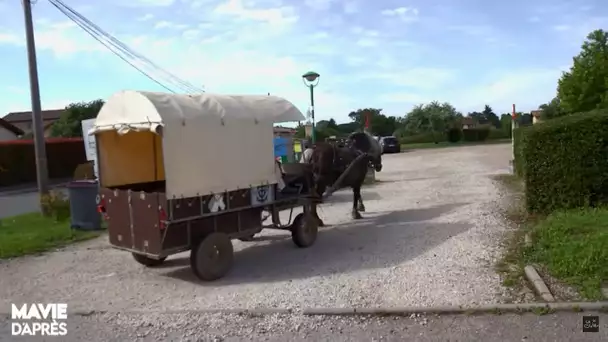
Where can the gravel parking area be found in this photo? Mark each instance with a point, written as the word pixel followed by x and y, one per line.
pixel 430 235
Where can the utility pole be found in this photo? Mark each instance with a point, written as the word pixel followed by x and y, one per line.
pixel 38 129
pixel 513 127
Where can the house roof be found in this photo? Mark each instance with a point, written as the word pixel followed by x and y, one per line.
pixel 536 113
pixel 10 127
pixel 51 114
pixel 467 120
pixel 279 129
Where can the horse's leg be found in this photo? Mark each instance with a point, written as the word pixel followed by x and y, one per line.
pixel 356 198
pixel 361 207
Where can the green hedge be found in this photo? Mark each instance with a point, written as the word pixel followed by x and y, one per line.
pixel 468 135
pixel 564 162
pixel 18 160
pixel 475 134
pixel 518 161
pixel 422 138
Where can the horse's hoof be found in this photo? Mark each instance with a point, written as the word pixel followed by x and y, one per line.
pixel 356 216
pixel 361 208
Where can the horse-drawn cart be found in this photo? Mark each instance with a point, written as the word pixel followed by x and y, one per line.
pixel 181 172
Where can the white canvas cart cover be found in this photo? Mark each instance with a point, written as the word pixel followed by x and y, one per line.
pixel 210 143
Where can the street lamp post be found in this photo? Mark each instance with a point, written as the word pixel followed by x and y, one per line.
pixel 311 79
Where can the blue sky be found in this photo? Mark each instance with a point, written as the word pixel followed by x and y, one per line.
pixel 387 54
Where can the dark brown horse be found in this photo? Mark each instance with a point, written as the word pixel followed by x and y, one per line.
pixel 336 167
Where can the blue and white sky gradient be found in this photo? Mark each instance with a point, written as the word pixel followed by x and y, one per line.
pixel 388 54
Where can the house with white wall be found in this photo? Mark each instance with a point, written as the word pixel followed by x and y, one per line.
pixel 9 131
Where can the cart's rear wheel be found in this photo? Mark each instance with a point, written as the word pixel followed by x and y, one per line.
pixel 304 230
pixel 212 257
pixel 247 238
pixel 144 260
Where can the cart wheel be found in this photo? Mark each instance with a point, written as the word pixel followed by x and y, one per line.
pixel 247 238
pixel 144 260
pixel 212 257
pixel 304 230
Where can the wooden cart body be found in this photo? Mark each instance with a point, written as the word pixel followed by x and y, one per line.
pixel 182 173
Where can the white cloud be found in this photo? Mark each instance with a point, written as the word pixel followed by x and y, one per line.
pixel 163 24
pixel 403 13
pixel 9 38
pixel 561 27
pixel 319 5
pixel 416 78
pixel 147 3
pixel 146 17
pixel 275 16
pixel 523 87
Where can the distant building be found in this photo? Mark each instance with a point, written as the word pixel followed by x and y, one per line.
pixel 23 120
pixel 9 131
pixel 284 132
pixel 536 116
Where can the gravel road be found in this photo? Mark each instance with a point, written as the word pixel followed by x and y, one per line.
pixel 564 326
pixel 430 236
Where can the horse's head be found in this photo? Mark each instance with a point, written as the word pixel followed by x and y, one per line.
pixel 366 143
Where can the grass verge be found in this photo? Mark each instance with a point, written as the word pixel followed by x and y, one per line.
pixel 511 265
pixel 444 144
pixel 32 233
pixel 573 246
pixel 570 245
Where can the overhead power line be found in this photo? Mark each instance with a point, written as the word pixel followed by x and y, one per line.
pixel 122 51
pixel 125 48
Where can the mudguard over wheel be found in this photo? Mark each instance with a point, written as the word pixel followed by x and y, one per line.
pixel 212 257
pixel 149 262
pixel 304 230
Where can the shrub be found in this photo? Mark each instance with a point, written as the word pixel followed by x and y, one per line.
pixel 56 205
pixel 422 138
pixel 454 135
pixel 565 162
pixel 499 133
pixel 475 134
pixel 518 161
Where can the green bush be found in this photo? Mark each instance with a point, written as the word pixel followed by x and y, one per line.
pixel 422 138
pixel 56 205
pixel 564 162
pixel 519 162
pixel 499 133
pixel 454 135
pixel 475 134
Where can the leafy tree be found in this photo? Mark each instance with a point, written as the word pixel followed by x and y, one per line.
pixel 585 86
pixel 490 116
pixel 552 109
pixel 380 124
pixel 434 117
pixel 69 124
pixel 479 117
pixel 505 122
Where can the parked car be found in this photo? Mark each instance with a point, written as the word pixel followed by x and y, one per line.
pixel 390 145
